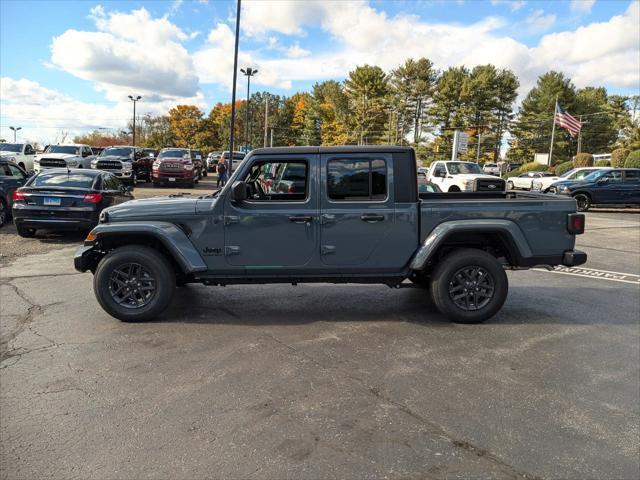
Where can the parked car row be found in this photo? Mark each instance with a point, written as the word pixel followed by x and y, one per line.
pixel 454 176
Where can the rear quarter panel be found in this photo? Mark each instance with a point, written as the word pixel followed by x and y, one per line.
pixel 543 221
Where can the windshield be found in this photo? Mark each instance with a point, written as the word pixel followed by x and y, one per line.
pixel 63 149
pixel 118 151
pixel 71 180
pixel 463 167
pixel 490 165
pixel 11 147
pixel 177 153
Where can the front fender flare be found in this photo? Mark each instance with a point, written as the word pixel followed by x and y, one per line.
pixel 169 235
pixel 439 234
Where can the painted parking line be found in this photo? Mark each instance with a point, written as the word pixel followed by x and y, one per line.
pixel 631 278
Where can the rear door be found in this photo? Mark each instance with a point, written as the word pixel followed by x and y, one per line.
pixel 357 210
pixel 632 186
pixel 273 229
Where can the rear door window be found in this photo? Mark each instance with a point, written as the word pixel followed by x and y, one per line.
pixel 357 179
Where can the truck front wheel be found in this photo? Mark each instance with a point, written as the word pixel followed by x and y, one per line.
pixel 134 283
pixel 469 286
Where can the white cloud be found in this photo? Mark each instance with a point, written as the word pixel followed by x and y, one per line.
pixel 362 34
pixel 581 6
pixel 514 5
pixel 539 22
pixel 295 51
pixel 130 50
pixel 44 113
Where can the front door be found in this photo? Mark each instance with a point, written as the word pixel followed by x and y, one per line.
pixel 357 210
pixel 609 188
pixel 277 225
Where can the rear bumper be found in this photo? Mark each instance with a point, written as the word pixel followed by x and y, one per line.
pixel 573 258
pixel 72 219
pixel 55 223
pixel 569 258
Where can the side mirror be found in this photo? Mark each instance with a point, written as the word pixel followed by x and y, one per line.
pixel 239 192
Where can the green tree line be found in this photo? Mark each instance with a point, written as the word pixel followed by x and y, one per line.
pixel 416 105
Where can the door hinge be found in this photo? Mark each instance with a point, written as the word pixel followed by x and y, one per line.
pixel 327 249
pixel 228 220
pixel 231 250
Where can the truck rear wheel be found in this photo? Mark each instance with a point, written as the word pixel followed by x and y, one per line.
pixel 134 283
pixel 469 286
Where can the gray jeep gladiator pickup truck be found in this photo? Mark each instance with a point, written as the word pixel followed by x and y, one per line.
pixel 328 214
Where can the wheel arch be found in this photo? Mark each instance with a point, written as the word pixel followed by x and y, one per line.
pixel 501 238
pixel 167 238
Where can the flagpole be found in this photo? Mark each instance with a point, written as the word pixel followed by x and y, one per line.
pixel 553 130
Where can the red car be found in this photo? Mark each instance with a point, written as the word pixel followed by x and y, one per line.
pixel 176 166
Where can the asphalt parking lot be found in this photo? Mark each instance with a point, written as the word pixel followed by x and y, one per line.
pixel 321 381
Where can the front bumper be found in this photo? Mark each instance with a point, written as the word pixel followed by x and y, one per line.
pixel 84 258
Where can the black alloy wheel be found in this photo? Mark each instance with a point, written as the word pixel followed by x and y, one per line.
pixel 471 288
pixel 583 201
pixel 3 212
pixel 469 285
pixel 132 285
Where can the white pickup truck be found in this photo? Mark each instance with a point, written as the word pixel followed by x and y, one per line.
pixel 22 154
pixel 64 156
pixel 453 176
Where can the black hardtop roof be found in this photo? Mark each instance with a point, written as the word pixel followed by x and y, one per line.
pixel 336 149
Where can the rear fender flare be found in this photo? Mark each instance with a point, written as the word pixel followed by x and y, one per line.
pixel 439 235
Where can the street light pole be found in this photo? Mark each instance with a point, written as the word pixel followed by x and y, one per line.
pixel 248 72
pixel 15 129
pixel 134 100
pixel 233 92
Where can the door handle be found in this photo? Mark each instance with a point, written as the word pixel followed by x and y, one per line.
pixel 372 218
pixel 300 218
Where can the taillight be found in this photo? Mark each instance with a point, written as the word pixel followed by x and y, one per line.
pixel 18 195
pixel 575 223
pixel 92 198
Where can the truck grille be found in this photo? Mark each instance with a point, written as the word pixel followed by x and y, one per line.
pixel 171 166
pixel 486 185
pixel 109 165
pixel 53 163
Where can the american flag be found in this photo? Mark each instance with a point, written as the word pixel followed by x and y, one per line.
pixel 564 120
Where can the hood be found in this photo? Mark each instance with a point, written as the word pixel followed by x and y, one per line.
pixel 111 158
pixel 63 156
pixel 569 183
pixel 157 208
pixel 473 176
pixel 8 154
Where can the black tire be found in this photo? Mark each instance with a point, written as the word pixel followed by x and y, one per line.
pixel 155 270
pixel 583 201
pixel 191 184
pixel 26 232
pixel 509 185
pixel 452 275
pixel 204 172
pixel 4 212
pixel 454 189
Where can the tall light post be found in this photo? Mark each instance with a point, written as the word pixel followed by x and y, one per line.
pixel 15 129
pixel 134 100
pixel 248 72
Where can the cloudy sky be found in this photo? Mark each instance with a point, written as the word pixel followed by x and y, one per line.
pixel 69 66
